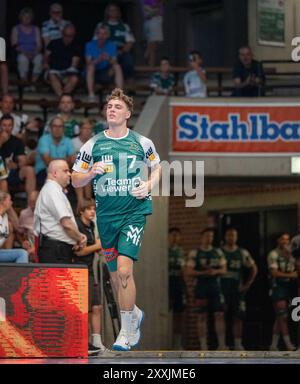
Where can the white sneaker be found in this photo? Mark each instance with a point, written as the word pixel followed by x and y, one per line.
pixel 122 342
pixel 274 348
pixel 135 334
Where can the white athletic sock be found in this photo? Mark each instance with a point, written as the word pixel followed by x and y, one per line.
pixel 203 343
pixel 275 340
pixel 287 342
pixel 238 342
pixel 97 341
pixel 126 319
pixel 221 340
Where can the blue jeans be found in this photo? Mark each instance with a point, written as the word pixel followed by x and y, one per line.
pixel 13 256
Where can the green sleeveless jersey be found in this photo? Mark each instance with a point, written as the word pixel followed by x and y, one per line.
pixel 276 260
pixel 237 260
pixel 126 160
pixel 201 259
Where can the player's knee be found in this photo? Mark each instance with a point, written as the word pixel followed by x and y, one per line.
pixel 282 313
pixel 124 273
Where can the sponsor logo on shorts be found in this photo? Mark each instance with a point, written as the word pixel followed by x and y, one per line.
pixel 134 234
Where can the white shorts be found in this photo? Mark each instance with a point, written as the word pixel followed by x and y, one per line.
pixel 153 29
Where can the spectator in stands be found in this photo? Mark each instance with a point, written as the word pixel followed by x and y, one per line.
pixel 3 170
pixel 52 29
pixel 66 108
pixel 101 62
pixel 53 146
pixel 195 80
pixel 177 289
pixel 27 43
pixel 153 21
pixel 62 59
pixel 234 286
pixel 7 253
pixel 25 228
pixel 3 78
pixel 120 33
pixel 86 132
pixel 162 82
pixel 282 269
pixel 13 152
pixel 101 123
pixel 248 75
pixel 207 264
pixel 86 214
pixel 7 108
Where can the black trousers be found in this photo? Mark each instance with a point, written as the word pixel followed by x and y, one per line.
pixel 54 251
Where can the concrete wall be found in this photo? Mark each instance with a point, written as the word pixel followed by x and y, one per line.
pixel 292 29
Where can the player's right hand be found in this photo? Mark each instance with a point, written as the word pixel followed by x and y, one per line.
pixel 98 168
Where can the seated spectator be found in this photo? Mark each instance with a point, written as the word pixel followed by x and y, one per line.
pixel 66 107
pixel 53 146
pixel 86 131
pixel 120 33
pixel 101 123
pixel 7 254
pixel 7 108
pixel 162 83
pixel 62 59
pixel 25 228
pixel 3 78
pixel 101 62
pixel 248 75
pixel 27 43
pixel 13 153
pixel 52 28
pixel 195 80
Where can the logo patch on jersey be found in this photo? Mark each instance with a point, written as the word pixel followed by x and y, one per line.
pixel 108 161
pixel 86 158
pixel 84 166
pixel 150 155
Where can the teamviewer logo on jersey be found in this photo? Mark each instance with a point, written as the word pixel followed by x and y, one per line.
pixel 2 49
pixel 2 309
pixel 134 234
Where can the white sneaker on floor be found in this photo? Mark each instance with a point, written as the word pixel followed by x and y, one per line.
pixel 122 342
pixel 135 334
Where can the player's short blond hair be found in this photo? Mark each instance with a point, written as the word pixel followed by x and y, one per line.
pixel 119 94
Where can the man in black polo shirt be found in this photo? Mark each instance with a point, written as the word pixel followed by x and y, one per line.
pixel 13 153
pixel 62 59
pixel 87 212
pixel 248 75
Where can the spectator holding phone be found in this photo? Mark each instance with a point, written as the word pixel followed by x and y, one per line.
pixel 195 80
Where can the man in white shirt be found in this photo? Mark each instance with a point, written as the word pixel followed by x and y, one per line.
pixel 54 219
pixel 195 80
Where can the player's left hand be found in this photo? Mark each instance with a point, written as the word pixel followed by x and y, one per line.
pixel 141 191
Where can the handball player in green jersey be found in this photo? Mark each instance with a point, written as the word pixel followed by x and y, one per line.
pixel 118 161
